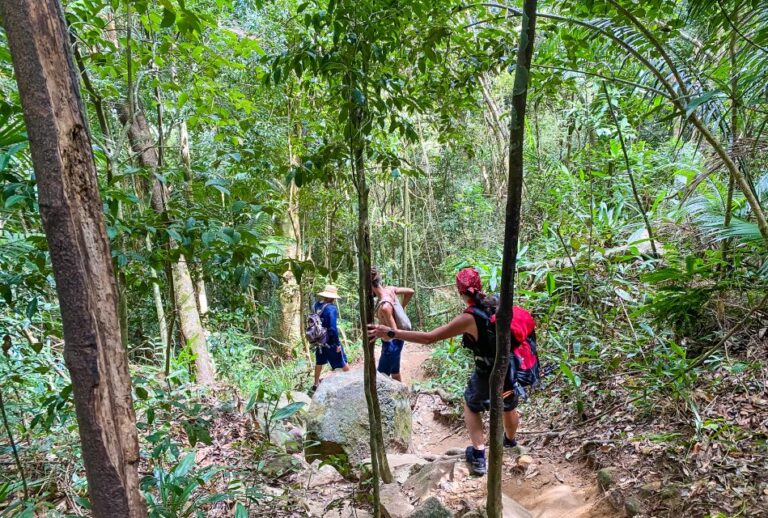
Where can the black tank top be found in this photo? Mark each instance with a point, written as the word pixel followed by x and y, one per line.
pixel 482 348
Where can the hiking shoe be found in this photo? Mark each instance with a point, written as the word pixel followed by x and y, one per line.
pixel 509 443
pixel 314 388
pixel 476 463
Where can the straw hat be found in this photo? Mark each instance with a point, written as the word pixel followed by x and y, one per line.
pixel 330 292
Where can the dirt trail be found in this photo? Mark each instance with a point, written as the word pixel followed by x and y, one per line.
pixel 550 488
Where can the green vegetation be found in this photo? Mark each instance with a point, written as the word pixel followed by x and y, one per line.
pixel 642 250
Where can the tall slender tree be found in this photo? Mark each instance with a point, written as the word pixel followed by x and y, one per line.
pixel 71 210
pixel 183 288
pixel 509 259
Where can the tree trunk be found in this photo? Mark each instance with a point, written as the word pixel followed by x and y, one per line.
pixel 511 234
pixel 202 296
pixel 184 292
pixel 290 294
pixel 157 296
pixel 189 321
pixel 379 464
pixel 734 73
pixel 630 174
pixel 71 210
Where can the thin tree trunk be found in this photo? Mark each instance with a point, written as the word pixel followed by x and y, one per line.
pixel 190 324
pixel 290 299
pixel 14 449
pixel 379 464
pixel 189 321
pixel 509 259
pixel 631 175
pixel 157 296
pixel 71 210
pixel 734 130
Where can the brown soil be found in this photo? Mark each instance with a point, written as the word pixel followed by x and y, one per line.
pixel 551 487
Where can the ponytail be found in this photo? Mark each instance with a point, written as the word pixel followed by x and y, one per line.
pixel 480 300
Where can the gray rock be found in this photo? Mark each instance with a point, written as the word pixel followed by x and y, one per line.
pixel 428 479
pixel 323 475
pixel 402 465
pixel 394 503
pixel 511 509
pixel 476 513
pixel 633 506
pixel 337 420
pixel 431 508
pixel 606 477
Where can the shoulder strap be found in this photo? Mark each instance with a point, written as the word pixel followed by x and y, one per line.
pixel 321 308
pixel 474 310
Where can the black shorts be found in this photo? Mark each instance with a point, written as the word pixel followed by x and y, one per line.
pixel 477 395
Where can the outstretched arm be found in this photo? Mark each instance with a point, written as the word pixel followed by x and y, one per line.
pixel 463 323
pixel 407 293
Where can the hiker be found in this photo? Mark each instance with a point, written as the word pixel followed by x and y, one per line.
pixel 477 326
pixel 390 312
pixel 329 350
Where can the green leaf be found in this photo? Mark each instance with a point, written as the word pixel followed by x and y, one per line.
pixel 182 468
pixel 550 282
pixel 241 511
pixel 141 393
pixel 169 18
pixel 31 308
pixel 698 101
pixel 287 411
pixel 16 199
pixel 623 294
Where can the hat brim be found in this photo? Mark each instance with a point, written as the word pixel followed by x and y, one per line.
pixel 328 295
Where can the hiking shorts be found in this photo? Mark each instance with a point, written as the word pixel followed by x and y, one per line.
pixel 477 395
pixel 333 355
pixel 389 361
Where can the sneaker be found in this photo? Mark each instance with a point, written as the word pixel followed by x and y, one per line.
pixel 312 391
pixel 476 463
pixel 509 443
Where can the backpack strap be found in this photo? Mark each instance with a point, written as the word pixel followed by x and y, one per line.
pixel 321 309
pixel 474 310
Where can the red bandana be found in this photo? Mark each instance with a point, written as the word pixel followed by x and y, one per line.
pixel 468 281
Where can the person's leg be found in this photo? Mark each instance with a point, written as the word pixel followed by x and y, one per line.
pixel 338 358
pixel 511 422
pixel 474 423
pixel 320 360
pixel 397 351
pixel 385 359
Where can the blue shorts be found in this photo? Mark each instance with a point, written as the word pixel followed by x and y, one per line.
pixel 334 355
pixel 389 361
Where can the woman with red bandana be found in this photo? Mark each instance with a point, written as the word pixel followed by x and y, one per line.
pixel 473 325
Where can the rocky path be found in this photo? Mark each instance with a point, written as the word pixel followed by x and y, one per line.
pixel 539 479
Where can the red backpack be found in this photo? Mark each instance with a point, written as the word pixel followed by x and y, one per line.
pixel 523 328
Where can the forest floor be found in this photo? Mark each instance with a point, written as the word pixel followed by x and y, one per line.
pixel 550 486
pixel 556 474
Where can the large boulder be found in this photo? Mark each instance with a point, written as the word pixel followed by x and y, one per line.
pixel 337 421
